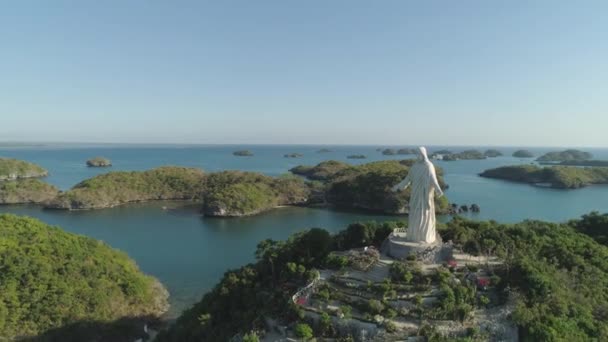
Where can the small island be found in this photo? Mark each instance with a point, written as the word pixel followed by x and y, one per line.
pixel 322 171
pixel 407 151
pixel 11 169
pixel 567 155
pixel 293 155
pixel 99 162
pixel 23 191
pixel 356 156
pixel 57 285
pixel 464 155
pixel 389 152
pixel 561 177
pixel 324 150
pixel 243 153
pixel 116 188
pixel 236 193
pixel 523 154
pixel 492 153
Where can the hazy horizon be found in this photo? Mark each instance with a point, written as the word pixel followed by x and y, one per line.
pixel 394 73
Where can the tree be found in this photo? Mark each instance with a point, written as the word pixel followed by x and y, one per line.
pixel 303 330
pixel 251 337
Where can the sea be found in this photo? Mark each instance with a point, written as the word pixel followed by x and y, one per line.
pixel 189 253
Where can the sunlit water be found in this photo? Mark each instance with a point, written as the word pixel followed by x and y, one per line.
pixel 189 253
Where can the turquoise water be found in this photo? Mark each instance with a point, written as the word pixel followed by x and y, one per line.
pixel 189 253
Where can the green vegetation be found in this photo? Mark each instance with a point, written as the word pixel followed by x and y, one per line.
pixel 235 193
pixel 115 188
pixel 492 153
pixel 356 156
pixel 567 155
pixel 243 153
pixel 26 191
pixel 556 276
pixel 323 171
pixel 303 331
pixel 241 300
pixel 464 155
pixel 523 154
pixel 51 279
pixel 561 275
pixel 563 177
pixel 11 169
pixel 389 152
pixel 598 163
pixel 593 224
pixel 99 162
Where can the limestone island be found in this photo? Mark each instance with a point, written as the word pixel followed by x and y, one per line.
pixel 356 156
pixel 23 191
pixel 561 177
pixel 389 152
pixel 116 188
pixel 464 155
pixel 492 153
pixel 366 186
pixel 11 169
pixel 406 151
pixel 243 153
pixel 99 162
pixel 567 155
pixel 523 154
pixel 293 155
pixel 223 194
pixel 324 150
pixel 59 286
pixel 236 193
pixel 502 282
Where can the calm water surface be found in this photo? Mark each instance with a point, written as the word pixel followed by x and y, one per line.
pixel 189 253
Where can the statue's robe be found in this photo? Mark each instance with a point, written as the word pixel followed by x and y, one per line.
pixel 421 219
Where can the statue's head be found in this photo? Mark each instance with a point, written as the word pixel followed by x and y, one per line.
pixel 422 153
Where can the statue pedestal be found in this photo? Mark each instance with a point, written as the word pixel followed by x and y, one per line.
pixel 429 253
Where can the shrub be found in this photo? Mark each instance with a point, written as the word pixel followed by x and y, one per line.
pixel 303 330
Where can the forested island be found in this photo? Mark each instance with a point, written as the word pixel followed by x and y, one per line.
pixel 58 286
pixel 293 155
pixel 401 151
pixel 492 153
pixel 549 281
pixel 99 162
pixel 365 186
pixel 567 155
pixel 464 155
pixel 243 153
pixel 562 177
pixel 26 191
pixel 11 169
pixel 115 188
pixel 356 156
pixel 523 154
pixel 236 193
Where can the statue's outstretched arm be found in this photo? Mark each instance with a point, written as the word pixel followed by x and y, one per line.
pixel 403 184
pixel 435 183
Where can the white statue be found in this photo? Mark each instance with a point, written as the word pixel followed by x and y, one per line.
pixel 421 220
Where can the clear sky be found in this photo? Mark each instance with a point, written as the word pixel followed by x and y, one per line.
pixel 317 72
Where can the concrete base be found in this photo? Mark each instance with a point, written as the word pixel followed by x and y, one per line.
pixel 435 253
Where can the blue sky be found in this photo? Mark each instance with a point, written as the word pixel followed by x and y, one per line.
pixel 529 73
